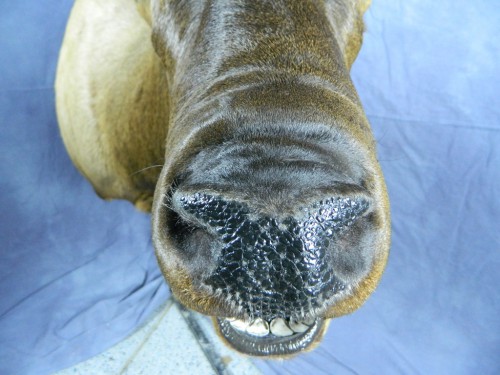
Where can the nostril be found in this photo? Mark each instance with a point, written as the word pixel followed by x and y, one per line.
pixel 191 240
pixel 179 228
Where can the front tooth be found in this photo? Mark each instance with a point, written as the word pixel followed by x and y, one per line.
pixel 239 324
pixel 258 327
pixel 279 328
pixel 309 321
pixel 298 327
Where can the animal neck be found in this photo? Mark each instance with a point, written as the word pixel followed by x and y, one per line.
pixel 212 47
pixel 256 63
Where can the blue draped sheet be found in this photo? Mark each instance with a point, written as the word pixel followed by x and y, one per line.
pixel 78 274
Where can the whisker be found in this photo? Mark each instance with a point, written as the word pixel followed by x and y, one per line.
pixel 144 169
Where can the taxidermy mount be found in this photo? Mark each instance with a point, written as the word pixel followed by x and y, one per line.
pixel 237 125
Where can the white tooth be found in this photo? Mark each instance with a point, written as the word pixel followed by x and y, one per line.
pixel 230 319
pixel 309 321
pixel 298 327
pixel 258 327
pixel 239 324
pixel 279 328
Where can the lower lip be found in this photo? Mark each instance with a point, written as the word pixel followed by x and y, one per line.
pixel 270 345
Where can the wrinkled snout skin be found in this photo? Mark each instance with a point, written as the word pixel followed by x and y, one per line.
pixel 270 206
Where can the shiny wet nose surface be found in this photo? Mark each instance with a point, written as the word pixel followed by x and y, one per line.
pixel 269 267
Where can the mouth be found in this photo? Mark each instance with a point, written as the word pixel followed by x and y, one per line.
pixel 278 337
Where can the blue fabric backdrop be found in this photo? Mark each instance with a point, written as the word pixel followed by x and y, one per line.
pixel 77 274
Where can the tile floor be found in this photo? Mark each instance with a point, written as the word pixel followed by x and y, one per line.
pixel 174 341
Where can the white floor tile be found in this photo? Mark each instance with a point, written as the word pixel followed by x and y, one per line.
pixel 174 341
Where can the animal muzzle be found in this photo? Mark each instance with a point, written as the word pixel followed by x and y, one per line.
pixel 265 266
pixel 270 241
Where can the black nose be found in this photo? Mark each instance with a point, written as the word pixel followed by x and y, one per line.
pixel 271 267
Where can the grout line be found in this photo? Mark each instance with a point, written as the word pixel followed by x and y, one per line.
pixel 169 303
pixel 203 341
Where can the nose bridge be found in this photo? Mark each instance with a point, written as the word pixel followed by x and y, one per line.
pixel 272 267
